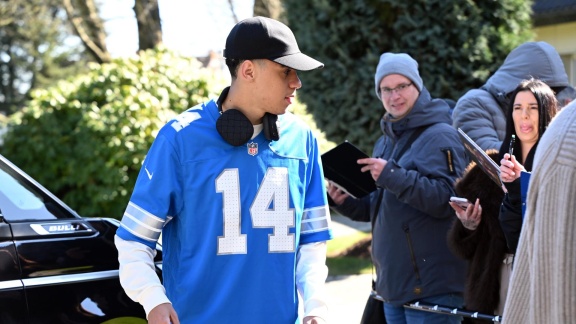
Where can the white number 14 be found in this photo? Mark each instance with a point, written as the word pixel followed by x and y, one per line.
pixel 270 209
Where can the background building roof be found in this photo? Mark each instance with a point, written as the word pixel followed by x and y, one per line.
pixel 549 12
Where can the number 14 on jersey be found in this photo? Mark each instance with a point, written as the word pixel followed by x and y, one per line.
pixel 273 191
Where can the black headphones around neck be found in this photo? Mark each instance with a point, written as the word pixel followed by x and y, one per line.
pixel 236 129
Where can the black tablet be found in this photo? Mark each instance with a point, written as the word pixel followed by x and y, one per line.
pixel 340 166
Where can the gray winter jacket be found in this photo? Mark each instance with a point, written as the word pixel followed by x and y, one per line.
pixel 480 113
pixel 409 245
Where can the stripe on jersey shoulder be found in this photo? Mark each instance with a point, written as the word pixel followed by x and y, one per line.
pixel 184 120
pixel 141 223
pixel 315 220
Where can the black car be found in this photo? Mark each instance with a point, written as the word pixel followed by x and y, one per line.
pixel 55 266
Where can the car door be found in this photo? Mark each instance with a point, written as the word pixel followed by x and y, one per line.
pixel 12 299
pixel 70 272
pixel 56 267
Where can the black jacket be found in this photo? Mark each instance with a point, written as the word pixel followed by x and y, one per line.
pixel 510 215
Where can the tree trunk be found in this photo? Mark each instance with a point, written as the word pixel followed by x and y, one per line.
pixel 149 24
pixel 87 24
pixel 269 8
pixel 234 16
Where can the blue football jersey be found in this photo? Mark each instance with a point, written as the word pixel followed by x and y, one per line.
pixel 231 217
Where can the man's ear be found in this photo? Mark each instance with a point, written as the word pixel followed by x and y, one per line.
pixel 247 70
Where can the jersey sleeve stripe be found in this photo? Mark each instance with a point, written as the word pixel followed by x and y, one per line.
pixel 315 220
pixel 138 234
pixel 141 230
pixel 141 223
pixel 144 216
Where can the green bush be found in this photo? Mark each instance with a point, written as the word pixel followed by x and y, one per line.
pixel 85 138
pixel 299 109
pixel 458 44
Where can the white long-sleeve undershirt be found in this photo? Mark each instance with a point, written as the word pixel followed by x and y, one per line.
pixel 141 283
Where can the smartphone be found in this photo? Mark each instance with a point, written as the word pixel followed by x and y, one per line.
pixel 462 202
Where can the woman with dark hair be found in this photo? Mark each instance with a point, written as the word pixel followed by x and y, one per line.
pixel 533 106
pixel 487 230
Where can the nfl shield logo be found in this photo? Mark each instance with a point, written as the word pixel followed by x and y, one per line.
pixel 252 148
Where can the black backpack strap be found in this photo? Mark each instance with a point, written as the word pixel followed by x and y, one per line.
pixel 373 221
pixel 415 134
pixel 398 154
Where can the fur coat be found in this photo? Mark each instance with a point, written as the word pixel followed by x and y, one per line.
pixel 485 247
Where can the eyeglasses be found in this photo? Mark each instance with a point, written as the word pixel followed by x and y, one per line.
pixel 399 89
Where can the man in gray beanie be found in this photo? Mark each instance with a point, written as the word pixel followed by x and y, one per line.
pixel 414 164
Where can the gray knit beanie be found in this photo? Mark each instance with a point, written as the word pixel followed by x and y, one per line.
pixel 392 63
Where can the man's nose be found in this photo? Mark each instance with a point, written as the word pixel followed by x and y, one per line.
pixel 395 93
pixel 295 83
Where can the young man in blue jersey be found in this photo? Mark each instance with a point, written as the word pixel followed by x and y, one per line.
pixel 236 188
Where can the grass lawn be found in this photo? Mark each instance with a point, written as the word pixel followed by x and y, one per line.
pixel 349 255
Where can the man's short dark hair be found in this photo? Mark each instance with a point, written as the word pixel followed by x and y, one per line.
pixel 233 65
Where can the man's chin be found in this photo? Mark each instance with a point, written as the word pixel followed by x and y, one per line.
pixel 282 112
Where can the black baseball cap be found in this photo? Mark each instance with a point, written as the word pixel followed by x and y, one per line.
pixel 266 38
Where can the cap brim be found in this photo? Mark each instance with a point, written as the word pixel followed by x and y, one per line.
pixel 299 61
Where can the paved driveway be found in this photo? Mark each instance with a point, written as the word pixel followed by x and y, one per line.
pixel 346 297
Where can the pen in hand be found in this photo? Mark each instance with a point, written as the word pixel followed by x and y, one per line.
pixel 511 148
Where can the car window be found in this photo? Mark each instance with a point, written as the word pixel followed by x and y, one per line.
pixel 20 201
pixel 15 192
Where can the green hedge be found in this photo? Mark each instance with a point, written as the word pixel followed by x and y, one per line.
pixel 458 44
pixel 85 138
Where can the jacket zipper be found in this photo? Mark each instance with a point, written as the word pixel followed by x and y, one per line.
pixel 417 290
